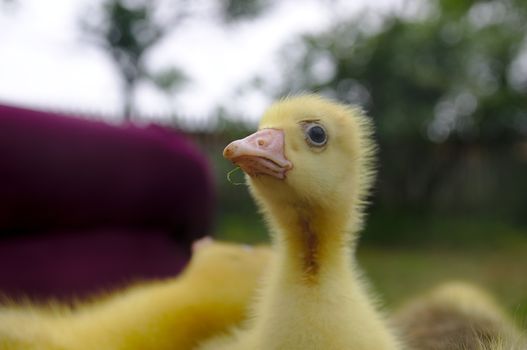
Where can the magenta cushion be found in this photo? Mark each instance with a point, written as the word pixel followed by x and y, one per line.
pixel 63 264
pixel 84 177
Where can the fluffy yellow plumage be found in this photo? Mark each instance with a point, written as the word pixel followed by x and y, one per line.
pixel 310 168
pixel 210 296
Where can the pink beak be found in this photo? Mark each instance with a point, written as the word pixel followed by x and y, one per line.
pixel 261 153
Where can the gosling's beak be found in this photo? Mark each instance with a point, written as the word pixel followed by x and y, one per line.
pixel 261 153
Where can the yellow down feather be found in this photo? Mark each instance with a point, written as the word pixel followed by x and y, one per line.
pixel 174 314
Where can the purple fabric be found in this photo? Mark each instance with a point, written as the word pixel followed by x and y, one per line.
pixel 74 264
pixel 64 174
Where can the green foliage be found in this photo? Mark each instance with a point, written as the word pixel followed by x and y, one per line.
pixel 131 28
pixel 240 9
pixel 169 79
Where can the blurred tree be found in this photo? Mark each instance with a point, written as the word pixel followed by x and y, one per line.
pixel 8 5
pixel 443 79
pixel 128 29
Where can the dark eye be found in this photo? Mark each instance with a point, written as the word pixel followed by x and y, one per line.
pixel 316 135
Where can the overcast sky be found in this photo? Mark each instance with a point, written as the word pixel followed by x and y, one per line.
pixel 46 63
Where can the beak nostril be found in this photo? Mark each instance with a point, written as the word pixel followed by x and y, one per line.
pixel 261 142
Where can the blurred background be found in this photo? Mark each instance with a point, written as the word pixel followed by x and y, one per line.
pixel 445 82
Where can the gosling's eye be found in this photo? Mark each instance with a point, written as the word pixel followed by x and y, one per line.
pixel 316 135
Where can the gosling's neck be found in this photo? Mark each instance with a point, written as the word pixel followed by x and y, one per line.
pixel 313 298
pixel 312 241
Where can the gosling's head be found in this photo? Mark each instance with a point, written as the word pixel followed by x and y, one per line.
pixel 309 152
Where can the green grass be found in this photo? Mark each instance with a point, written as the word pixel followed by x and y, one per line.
pixel 472 232
pixel 245 228
pixel 399 274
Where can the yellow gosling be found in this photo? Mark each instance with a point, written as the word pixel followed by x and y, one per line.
pixel 309 168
